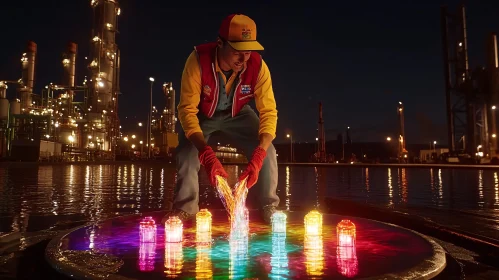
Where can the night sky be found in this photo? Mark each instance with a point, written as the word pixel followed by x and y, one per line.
pixel 359 58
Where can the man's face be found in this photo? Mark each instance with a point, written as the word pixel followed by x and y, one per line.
pixel 232 58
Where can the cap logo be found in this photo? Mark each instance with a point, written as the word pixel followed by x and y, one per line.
pixel 246 34
pixel 207 90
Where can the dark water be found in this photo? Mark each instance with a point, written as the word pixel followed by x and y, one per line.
pixel 37 193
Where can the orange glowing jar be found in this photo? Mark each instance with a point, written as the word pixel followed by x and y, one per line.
pixel 173 230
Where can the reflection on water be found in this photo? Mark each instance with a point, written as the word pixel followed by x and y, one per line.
pixel 30 194
pixel 173 258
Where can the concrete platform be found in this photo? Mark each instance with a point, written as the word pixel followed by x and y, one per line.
pixel 112 249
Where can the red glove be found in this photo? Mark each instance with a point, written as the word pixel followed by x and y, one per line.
pixel 254 167
pixel 212 165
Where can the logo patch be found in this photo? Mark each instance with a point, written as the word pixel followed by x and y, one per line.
pixel 246 34
pixel 207 90
pixel 245 89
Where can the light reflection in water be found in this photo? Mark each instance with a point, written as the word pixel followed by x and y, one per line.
pixel 314 255
pixel 204 268
pixel 403 185
pixel 279 258
pixel 366 177
pixel 147 254
pixel 174 258
pixel 480 188
pixel 288 194
pixel 496 189
pixel 346 256
pixel 238 257
pixel 440 187
pixel 390 188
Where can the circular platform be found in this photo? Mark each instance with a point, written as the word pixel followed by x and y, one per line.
pixel 112 249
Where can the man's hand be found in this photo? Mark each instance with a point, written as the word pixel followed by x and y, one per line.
pixel 254 167
pixel 212 165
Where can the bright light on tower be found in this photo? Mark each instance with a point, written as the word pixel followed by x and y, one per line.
pixel 151 79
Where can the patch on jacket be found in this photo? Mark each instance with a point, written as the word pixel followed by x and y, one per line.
pixel 207 90
pixel 245 89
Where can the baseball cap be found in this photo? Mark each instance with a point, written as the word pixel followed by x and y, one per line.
pixel 240 32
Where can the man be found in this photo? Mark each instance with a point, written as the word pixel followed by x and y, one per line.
pixel 218 81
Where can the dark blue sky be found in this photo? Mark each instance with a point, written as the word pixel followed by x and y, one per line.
pixel 359 58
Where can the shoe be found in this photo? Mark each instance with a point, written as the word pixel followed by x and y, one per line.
pixel 182 215
pixel 267 212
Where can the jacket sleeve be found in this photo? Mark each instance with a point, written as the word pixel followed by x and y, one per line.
pixel 265 102
pixel 190 95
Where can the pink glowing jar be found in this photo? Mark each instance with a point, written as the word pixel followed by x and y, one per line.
pixel 147 230
pixel 173 229
pixel 346 234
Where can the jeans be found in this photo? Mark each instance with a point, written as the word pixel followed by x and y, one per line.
pixel 243 130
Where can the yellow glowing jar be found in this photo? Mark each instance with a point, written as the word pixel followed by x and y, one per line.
pixel 173 229
pixel 345 231
pixel 203 221
pixel 313 223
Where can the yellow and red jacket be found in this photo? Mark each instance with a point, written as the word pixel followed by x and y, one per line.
pixel 200 89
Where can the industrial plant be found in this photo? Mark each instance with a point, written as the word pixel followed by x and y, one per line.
pixel 66 121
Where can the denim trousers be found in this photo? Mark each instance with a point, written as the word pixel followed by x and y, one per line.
pixel 242 129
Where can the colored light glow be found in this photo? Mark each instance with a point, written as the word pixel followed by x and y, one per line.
pixel 313 223
pixel 147 253
pixel 147 230
pixel 203 221
pixel 346 258
pixel 238 257
pixel 203 238
pixel 346 233
pixel 204 269
pixel 240 216
pixel 278 222
pixel 240 223
pixel 173 230
pixel 174 257
pixel 314 255
pixel 279 258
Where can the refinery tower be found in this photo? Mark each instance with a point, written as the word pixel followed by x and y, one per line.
pixel 66 118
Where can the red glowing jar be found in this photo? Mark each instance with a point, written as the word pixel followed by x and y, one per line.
pixel 346 234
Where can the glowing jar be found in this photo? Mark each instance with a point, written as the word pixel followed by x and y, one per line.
pixel 278 222
pixel 345 231
pixel 203 221
pixel 173 229
pixel 313 223
pixel 147 230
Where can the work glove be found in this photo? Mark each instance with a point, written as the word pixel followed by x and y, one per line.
pixel 211 164
pixel 254 167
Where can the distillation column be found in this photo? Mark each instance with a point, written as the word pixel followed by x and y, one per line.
pixel 401 139
pixel 493 65
pixel 4 117
pixel 169 111
pixel 69 65
pixel 28 76
pixel 321 145
pixel 102 115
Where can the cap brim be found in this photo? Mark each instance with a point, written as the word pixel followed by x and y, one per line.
pixel 246 46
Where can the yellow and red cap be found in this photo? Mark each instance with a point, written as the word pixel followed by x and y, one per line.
pixel 240 32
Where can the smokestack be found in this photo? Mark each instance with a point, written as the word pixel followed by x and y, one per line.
pixel 28 75
pixel 69 64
